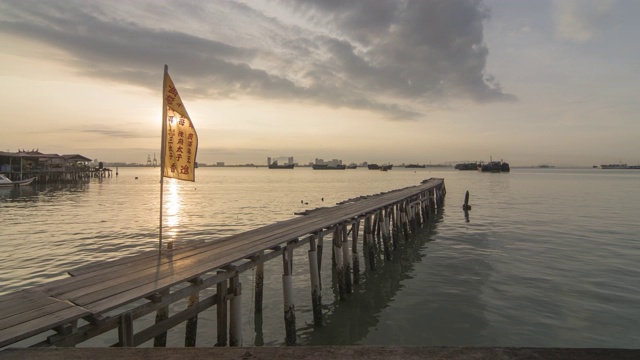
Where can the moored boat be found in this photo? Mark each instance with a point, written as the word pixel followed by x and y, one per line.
pixel 328 167
pixel 467 166
pixel 5 181
pixel 494 166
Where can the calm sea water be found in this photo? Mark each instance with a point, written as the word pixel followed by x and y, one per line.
pixel 546 257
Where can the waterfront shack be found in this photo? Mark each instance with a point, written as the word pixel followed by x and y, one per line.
pixel 48 167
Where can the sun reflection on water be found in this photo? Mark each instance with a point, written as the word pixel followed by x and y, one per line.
pixel 172 209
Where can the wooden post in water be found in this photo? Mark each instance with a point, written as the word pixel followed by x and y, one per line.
pixel 316 296
pixel 221 310
pixel 320 246
pixel 369 243
pixel 191 331
pixel 346 259
pixel 161 315
pixel 394 226
pixel 125 330
pixel 405 221
pixel 339 266
pixel 259 285
pixel 354 252
pixel 384 228
pixel 287 289
pixel 235 326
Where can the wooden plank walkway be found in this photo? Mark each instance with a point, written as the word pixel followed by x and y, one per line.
pixel 95 289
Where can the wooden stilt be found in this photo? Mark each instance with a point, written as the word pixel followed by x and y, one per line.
pixel 221 310
pixel 235 311
pixel 161 315
pixel 354 252
pixel 289 307
pixel 370 242
pixel 259 286
pixel 316 297
pixel 125 330
pixel 405 220
pixel 191 331
pixel 383 215
pixel 319 249
pixel 339 266
pixel 346 260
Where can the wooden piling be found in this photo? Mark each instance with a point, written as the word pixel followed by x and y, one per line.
pixel 346 259
pixel 383 216
pixel 259 285
pixel 221 311
pixel 339 266
pixel 235 311
pixel 161 315
pixel 368 235
pixel 316 296
pixel 191 330
pixel 287 289
pixel 125 330
pixel 354 252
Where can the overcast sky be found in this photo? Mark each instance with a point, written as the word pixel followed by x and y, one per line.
pixel 415 81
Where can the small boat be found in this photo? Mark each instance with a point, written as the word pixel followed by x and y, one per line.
pixel 352 166
pixel 386 167
pixel 494 166
pixel 5 181
pixel 414 166
pixel 373 167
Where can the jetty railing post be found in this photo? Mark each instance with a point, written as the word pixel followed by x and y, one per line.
pixel 191 331
pixel 354 252
pixel 287 289
pixel 161 315
pixel 125 330
pixel 235 326
pixel 259 285
pixel 339 266
pixel 370 243
pixel 346 259
pixel 221 310
pixel 316 296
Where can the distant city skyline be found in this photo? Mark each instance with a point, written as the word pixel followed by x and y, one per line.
pixel 432 81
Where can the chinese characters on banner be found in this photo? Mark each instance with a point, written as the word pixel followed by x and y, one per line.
pixel 181 140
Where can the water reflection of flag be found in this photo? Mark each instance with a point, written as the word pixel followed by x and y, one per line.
pixel 180 141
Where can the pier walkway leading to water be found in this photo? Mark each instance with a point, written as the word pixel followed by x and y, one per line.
pixel 110 295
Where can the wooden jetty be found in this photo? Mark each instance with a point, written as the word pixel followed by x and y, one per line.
pixel 111 295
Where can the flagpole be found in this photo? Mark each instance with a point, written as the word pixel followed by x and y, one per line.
pixel 163 149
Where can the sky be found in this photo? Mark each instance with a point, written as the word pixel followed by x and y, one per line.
pixel 393 81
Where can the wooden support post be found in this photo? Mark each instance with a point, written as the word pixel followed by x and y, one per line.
pixel 354 252
pixel 161 315
pixel 316 296
pixel 289 307
pixel 221 310
pixel 370 243
pixel 346 260
pixel 336 234
pixel 235 311
pixel 125 330
pixel 418 209
pixel 383 215
pixel 259 285
pixel 191 332
pixel 339 266
pixel 394 227
pixel 320 246
pixel 405 220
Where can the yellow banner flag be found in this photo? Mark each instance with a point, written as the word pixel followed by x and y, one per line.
pixel 180 138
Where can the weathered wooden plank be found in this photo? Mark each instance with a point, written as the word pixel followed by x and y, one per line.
pixel 29 328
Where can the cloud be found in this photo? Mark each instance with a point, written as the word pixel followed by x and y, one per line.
pixel 580 20
pixel 391 57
